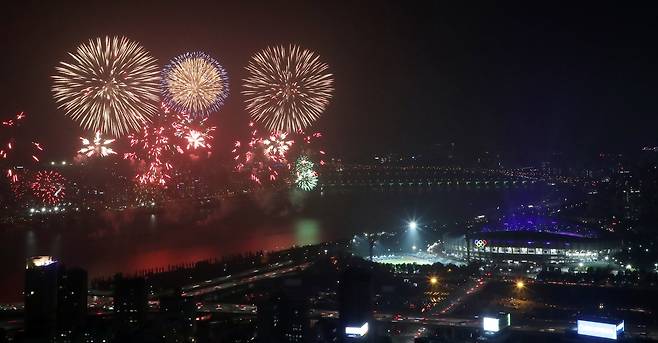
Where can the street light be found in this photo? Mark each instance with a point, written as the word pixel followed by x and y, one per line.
pixel 520 285
pixel 434 280
pixel 412 225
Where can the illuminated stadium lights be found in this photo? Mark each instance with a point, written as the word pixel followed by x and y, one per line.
pixel 356 331
pixel 522 223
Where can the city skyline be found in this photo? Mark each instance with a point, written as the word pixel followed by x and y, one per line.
pixel 314 172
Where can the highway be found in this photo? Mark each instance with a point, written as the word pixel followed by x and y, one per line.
pixel 222 279
pixel 229 281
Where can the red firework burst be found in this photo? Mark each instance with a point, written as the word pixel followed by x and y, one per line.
pixel 196 134
pixel 157 143
pixel 311 146
pixel 49 187
pixel 12 150
pixel 262 157
pixel 155 146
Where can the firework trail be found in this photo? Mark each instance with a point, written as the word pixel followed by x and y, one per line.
pixel 154 147
pixel 265 158
pixel 12 150
pixel 262 157
pixel 108 85
pixel 287 88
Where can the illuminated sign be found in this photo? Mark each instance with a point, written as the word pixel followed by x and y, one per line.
pixel 491 324
pixel 480 243
pixel 40 261
pixel 354 331
pixel 599 329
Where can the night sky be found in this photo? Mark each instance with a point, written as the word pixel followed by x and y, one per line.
pixel 524 81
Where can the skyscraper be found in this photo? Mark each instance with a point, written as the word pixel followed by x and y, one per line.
pixel 130 302
pixel 284 316
pixel 71 303
pixel 355 305
pixel 55 300
pixel 41 285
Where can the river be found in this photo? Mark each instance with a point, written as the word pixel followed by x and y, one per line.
pixel 127 241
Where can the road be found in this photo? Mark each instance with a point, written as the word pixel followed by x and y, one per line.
pixel 227 282
pixel 222 279
pixel 456 298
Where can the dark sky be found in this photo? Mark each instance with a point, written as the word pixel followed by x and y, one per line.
pixel 496 76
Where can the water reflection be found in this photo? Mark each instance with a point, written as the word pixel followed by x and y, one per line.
pixel 132 240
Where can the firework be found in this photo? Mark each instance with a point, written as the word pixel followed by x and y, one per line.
pixel 48 187
pixel 311 146
pixel 287 88
pixel 194 83
pixel 96 146
pixel 109 85
pixel 261 157
pixel 12 150
pixel 154 147
pixel 22 185
pixel 276 146
pixel 195 133
pixel 305 177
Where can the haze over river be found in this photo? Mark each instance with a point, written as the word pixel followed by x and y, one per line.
pixel 127 241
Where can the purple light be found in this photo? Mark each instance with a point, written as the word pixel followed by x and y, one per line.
pixel 540 224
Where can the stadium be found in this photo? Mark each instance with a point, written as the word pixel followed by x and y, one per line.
pixel 544 240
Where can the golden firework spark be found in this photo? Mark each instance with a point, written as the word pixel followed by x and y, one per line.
pixel 111 86
pixel 96 146
pixel 194 83
pixel 287 88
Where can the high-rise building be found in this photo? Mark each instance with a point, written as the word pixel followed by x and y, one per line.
pixel 130 302
pixel 177 314
pixel 41 285
pixel 55 300
pixel 284 316
pixel 355 305
pixel 71 304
